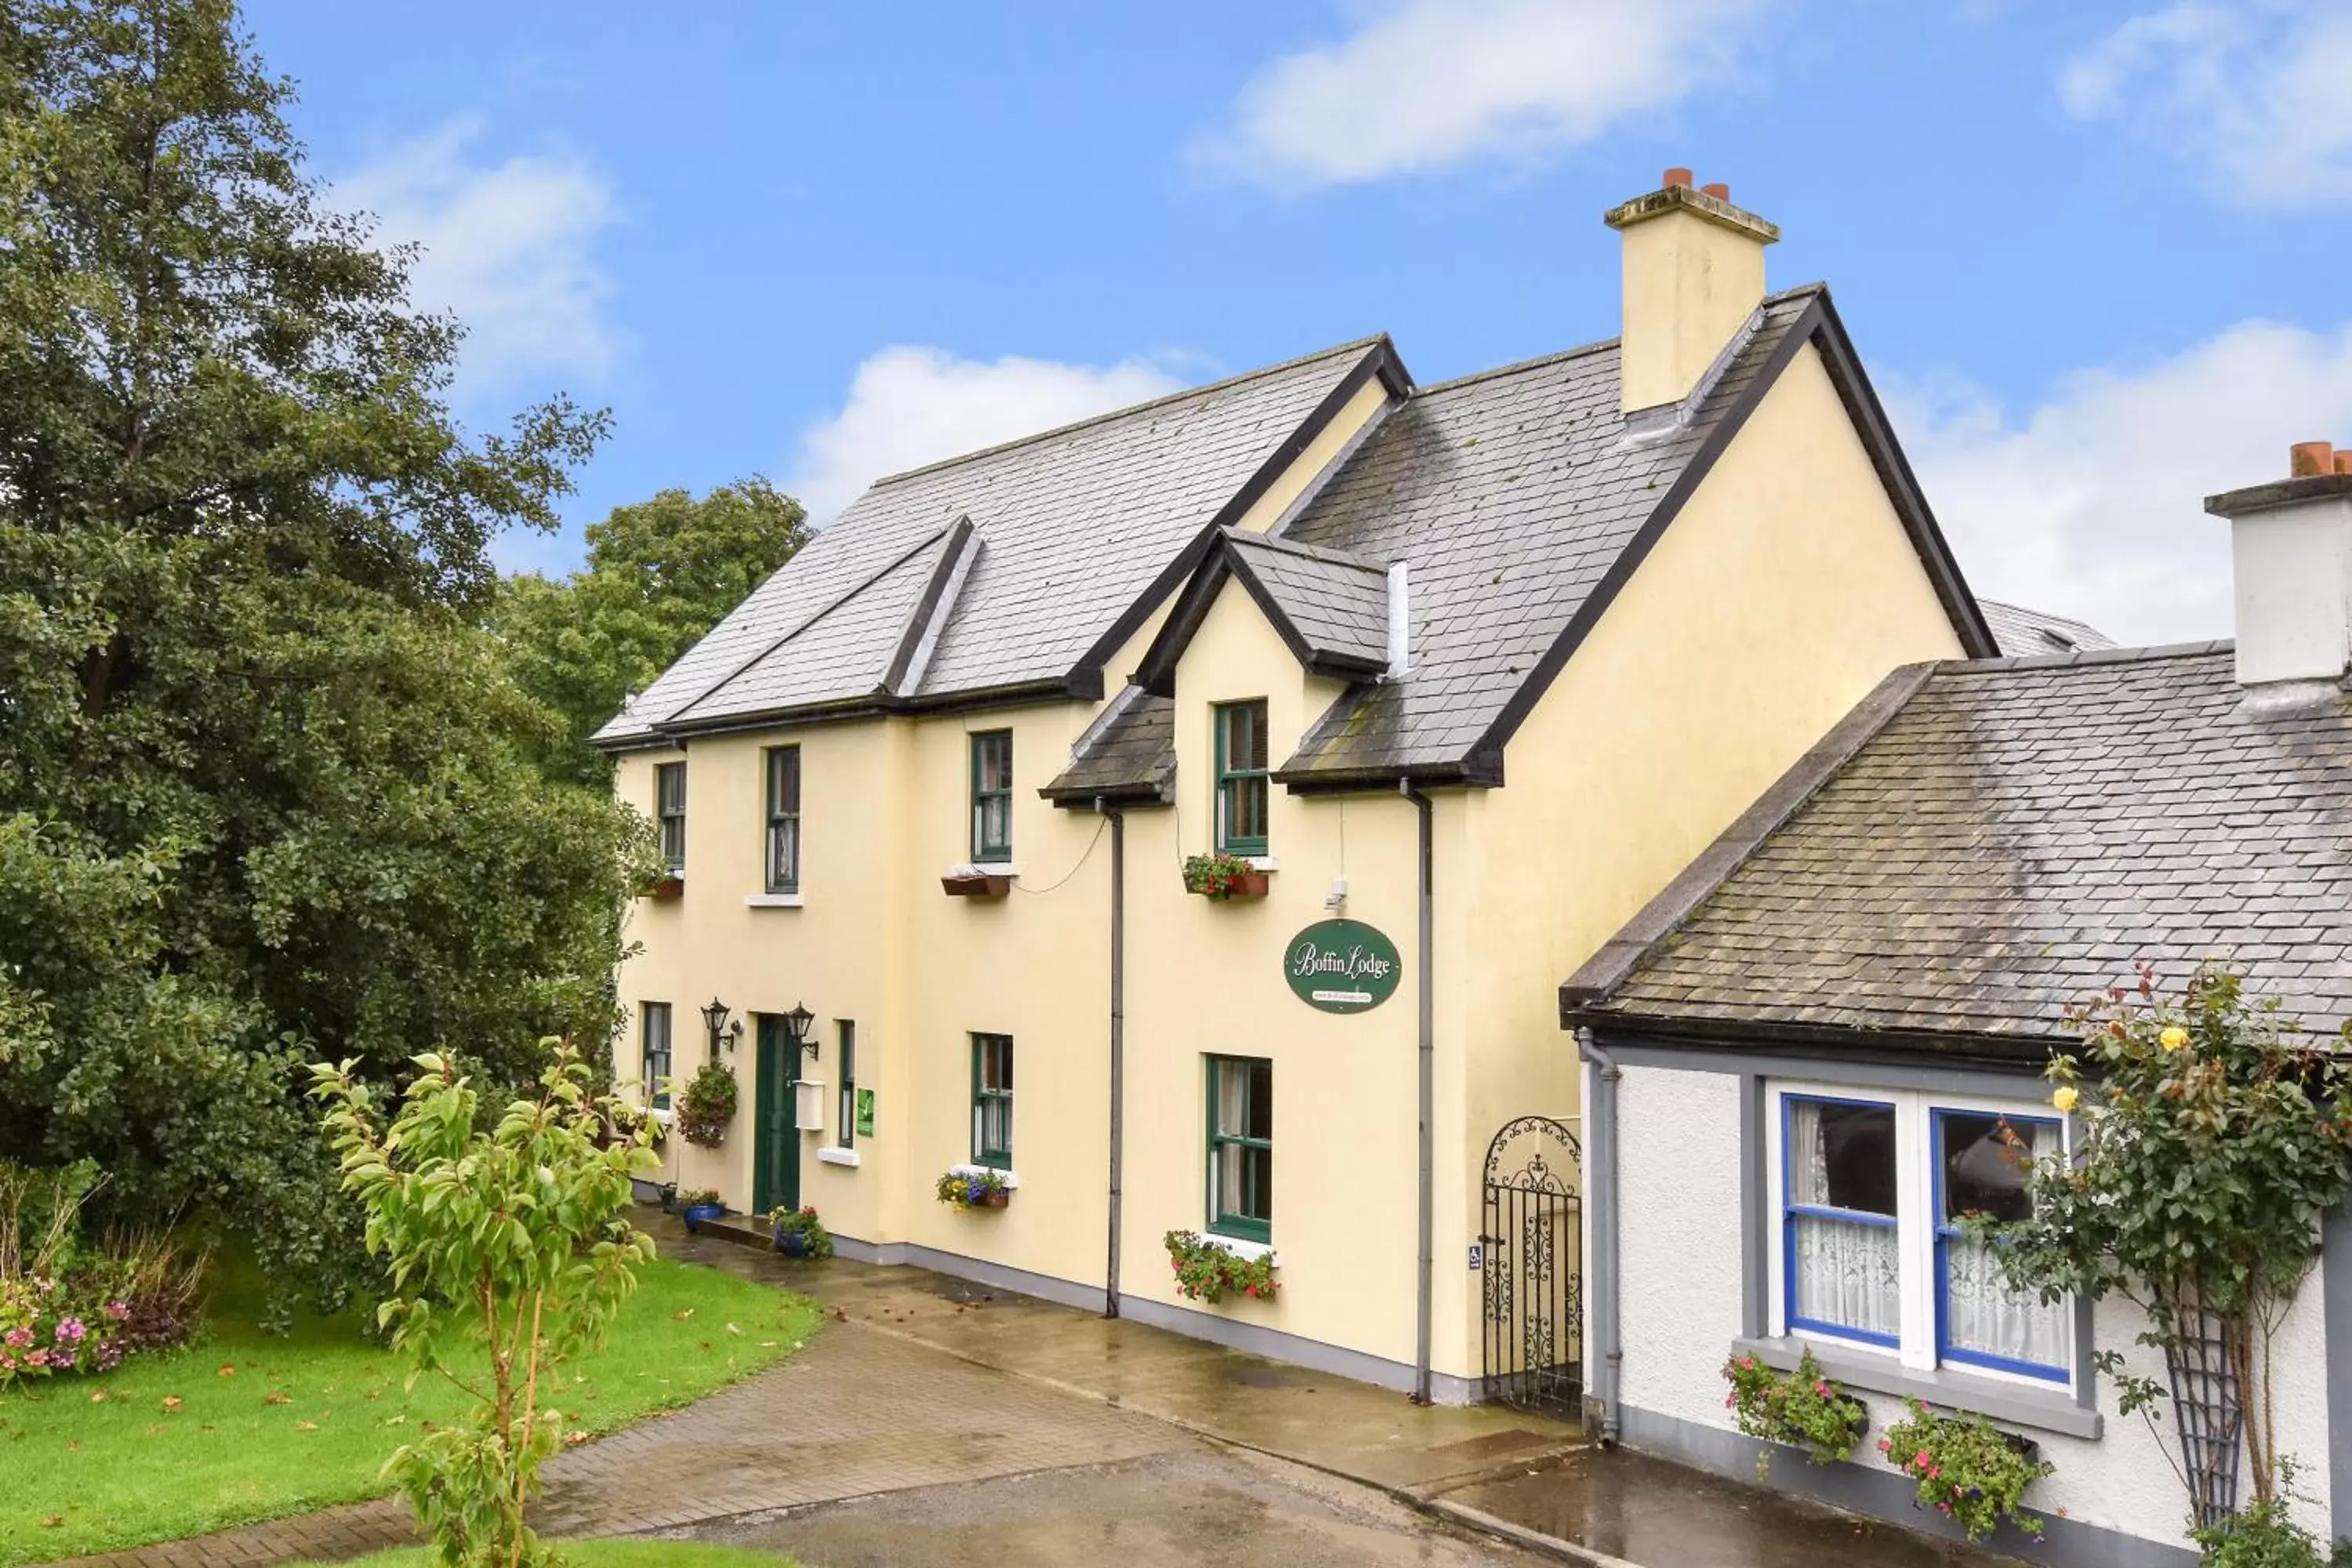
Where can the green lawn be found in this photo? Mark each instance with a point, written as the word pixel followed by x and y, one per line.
pixel 241 1426
pixel 611 1554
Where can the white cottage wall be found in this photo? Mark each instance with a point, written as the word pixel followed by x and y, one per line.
pixel 1680 1255
pixel 1679 1238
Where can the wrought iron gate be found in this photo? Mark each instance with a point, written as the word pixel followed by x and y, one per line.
pixel 1531 1246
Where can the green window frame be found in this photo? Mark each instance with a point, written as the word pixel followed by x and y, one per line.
pixel 845 1107
pixel 1242 783
pixel 992 1101
pixel 669 809
pixel 1241 1147
pixel 784 875
pixel 991 795
pixel 653 1028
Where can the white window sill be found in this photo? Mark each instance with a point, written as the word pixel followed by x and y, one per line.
pixel 661 1114
pixel 982 869
pixel 772 900
pixel 1246 1250
pixel 2052 1409
pixel 1263 862
pixel 1011 1181
pixel 834 1154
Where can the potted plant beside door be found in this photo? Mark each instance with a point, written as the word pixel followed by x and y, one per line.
pixel 702 1205
pixel 799 1234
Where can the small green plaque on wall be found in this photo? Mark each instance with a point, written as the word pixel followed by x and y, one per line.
pixel 866 1113
pixel 1342 967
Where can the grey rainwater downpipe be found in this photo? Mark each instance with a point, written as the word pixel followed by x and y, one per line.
pixel 1428 1094
pixel 1117 1042
pixel 1603 1155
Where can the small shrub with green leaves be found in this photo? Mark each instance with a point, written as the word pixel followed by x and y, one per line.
pixel 1966 1469
pixel 1801 1407
pixel 508 1250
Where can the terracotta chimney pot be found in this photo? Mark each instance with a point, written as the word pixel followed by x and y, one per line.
pixel 2344 462
pixel 1720 192
pixel 1681 178
pixel 2305 458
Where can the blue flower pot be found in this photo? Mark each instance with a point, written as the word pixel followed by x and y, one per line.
pixel 791 1243
pixel 696 1213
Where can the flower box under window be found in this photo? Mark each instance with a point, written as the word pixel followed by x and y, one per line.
pixel 1222 877
pixel 970 883
pixel 667 889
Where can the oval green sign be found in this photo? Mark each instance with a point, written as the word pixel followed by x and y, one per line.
pixel 1342 967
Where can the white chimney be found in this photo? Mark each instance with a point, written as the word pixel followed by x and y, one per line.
pixel 1693 270
pixel 2291 553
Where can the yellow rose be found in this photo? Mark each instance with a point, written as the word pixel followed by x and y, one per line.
pixel 2064 1099
pixel 2173 1038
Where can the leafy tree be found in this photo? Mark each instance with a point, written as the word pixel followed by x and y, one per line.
pixel 265 784
pixel 659 575
pixel 509 1250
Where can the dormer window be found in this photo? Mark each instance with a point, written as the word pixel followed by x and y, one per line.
pixel 1241 777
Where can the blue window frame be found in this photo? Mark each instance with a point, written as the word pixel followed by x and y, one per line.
pixel 1979 1161
pixel 1840 1240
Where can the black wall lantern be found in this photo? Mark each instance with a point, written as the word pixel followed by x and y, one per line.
pixel 796 1028
pixel 715 1018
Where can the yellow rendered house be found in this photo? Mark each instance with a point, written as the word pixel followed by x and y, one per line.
pixel 1433 686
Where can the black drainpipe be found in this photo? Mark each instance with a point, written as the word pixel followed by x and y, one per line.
pixel 1427 1094
pixel 1602 1153
pixel 1117 1042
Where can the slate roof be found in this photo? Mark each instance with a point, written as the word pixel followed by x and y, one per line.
pixel 1520 498
pixel 1983 844
pixel 1128 756
pixel 1070 528
pixel 2028 634
pixel 1335 604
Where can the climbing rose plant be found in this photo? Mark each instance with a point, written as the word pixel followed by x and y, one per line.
pixel 508 1249
pixel 2216 1135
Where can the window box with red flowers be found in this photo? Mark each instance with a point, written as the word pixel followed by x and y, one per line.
pixel 1210 1268
pixel 1222 877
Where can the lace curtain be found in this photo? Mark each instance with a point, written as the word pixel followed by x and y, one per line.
pixel 1847 1272
pixel 1981 1313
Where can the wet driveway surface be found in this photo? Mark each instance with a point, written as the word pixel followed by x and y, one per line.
pixel 1188 1509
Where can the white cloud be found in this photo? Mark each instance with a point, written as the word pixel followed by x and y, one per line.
pixel 1421 84
pixel 510 248
pixel 2093 504
pixel 2251 93
pixel 911 404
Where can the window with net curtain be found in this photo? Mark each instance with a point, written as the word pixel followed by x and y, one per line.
pixel 1241 1148
pixel 1847 1237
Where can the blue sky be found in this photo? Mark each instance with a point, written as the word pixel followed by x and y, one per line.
pixel 2088 250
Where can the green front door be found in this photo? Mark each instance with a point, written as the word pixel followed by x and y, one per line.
pixel 776 1160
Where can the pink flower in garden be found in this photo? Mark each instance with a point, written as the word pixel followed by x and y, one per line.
pixel 36 1358
pixel 7 1363
pixel 1943 1508
pixel 70 1331
pixel 1885 1446
pixel 1822 1389
pixel 118 1310
pixel 16 1339
pixel 1920 1458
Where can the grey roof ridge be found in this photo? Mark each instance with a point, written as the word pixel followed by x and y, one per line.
pixel 712 689
pixel 1108 415
pixel 2015 608
pixel 1663 915
pixel 2140 655
pixel 1597 346
pixel 1322 553
pixel 927 622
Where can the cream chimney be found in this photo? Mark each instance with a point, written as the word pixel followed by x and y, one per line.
pixel 1693 274
pixel 2291 559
